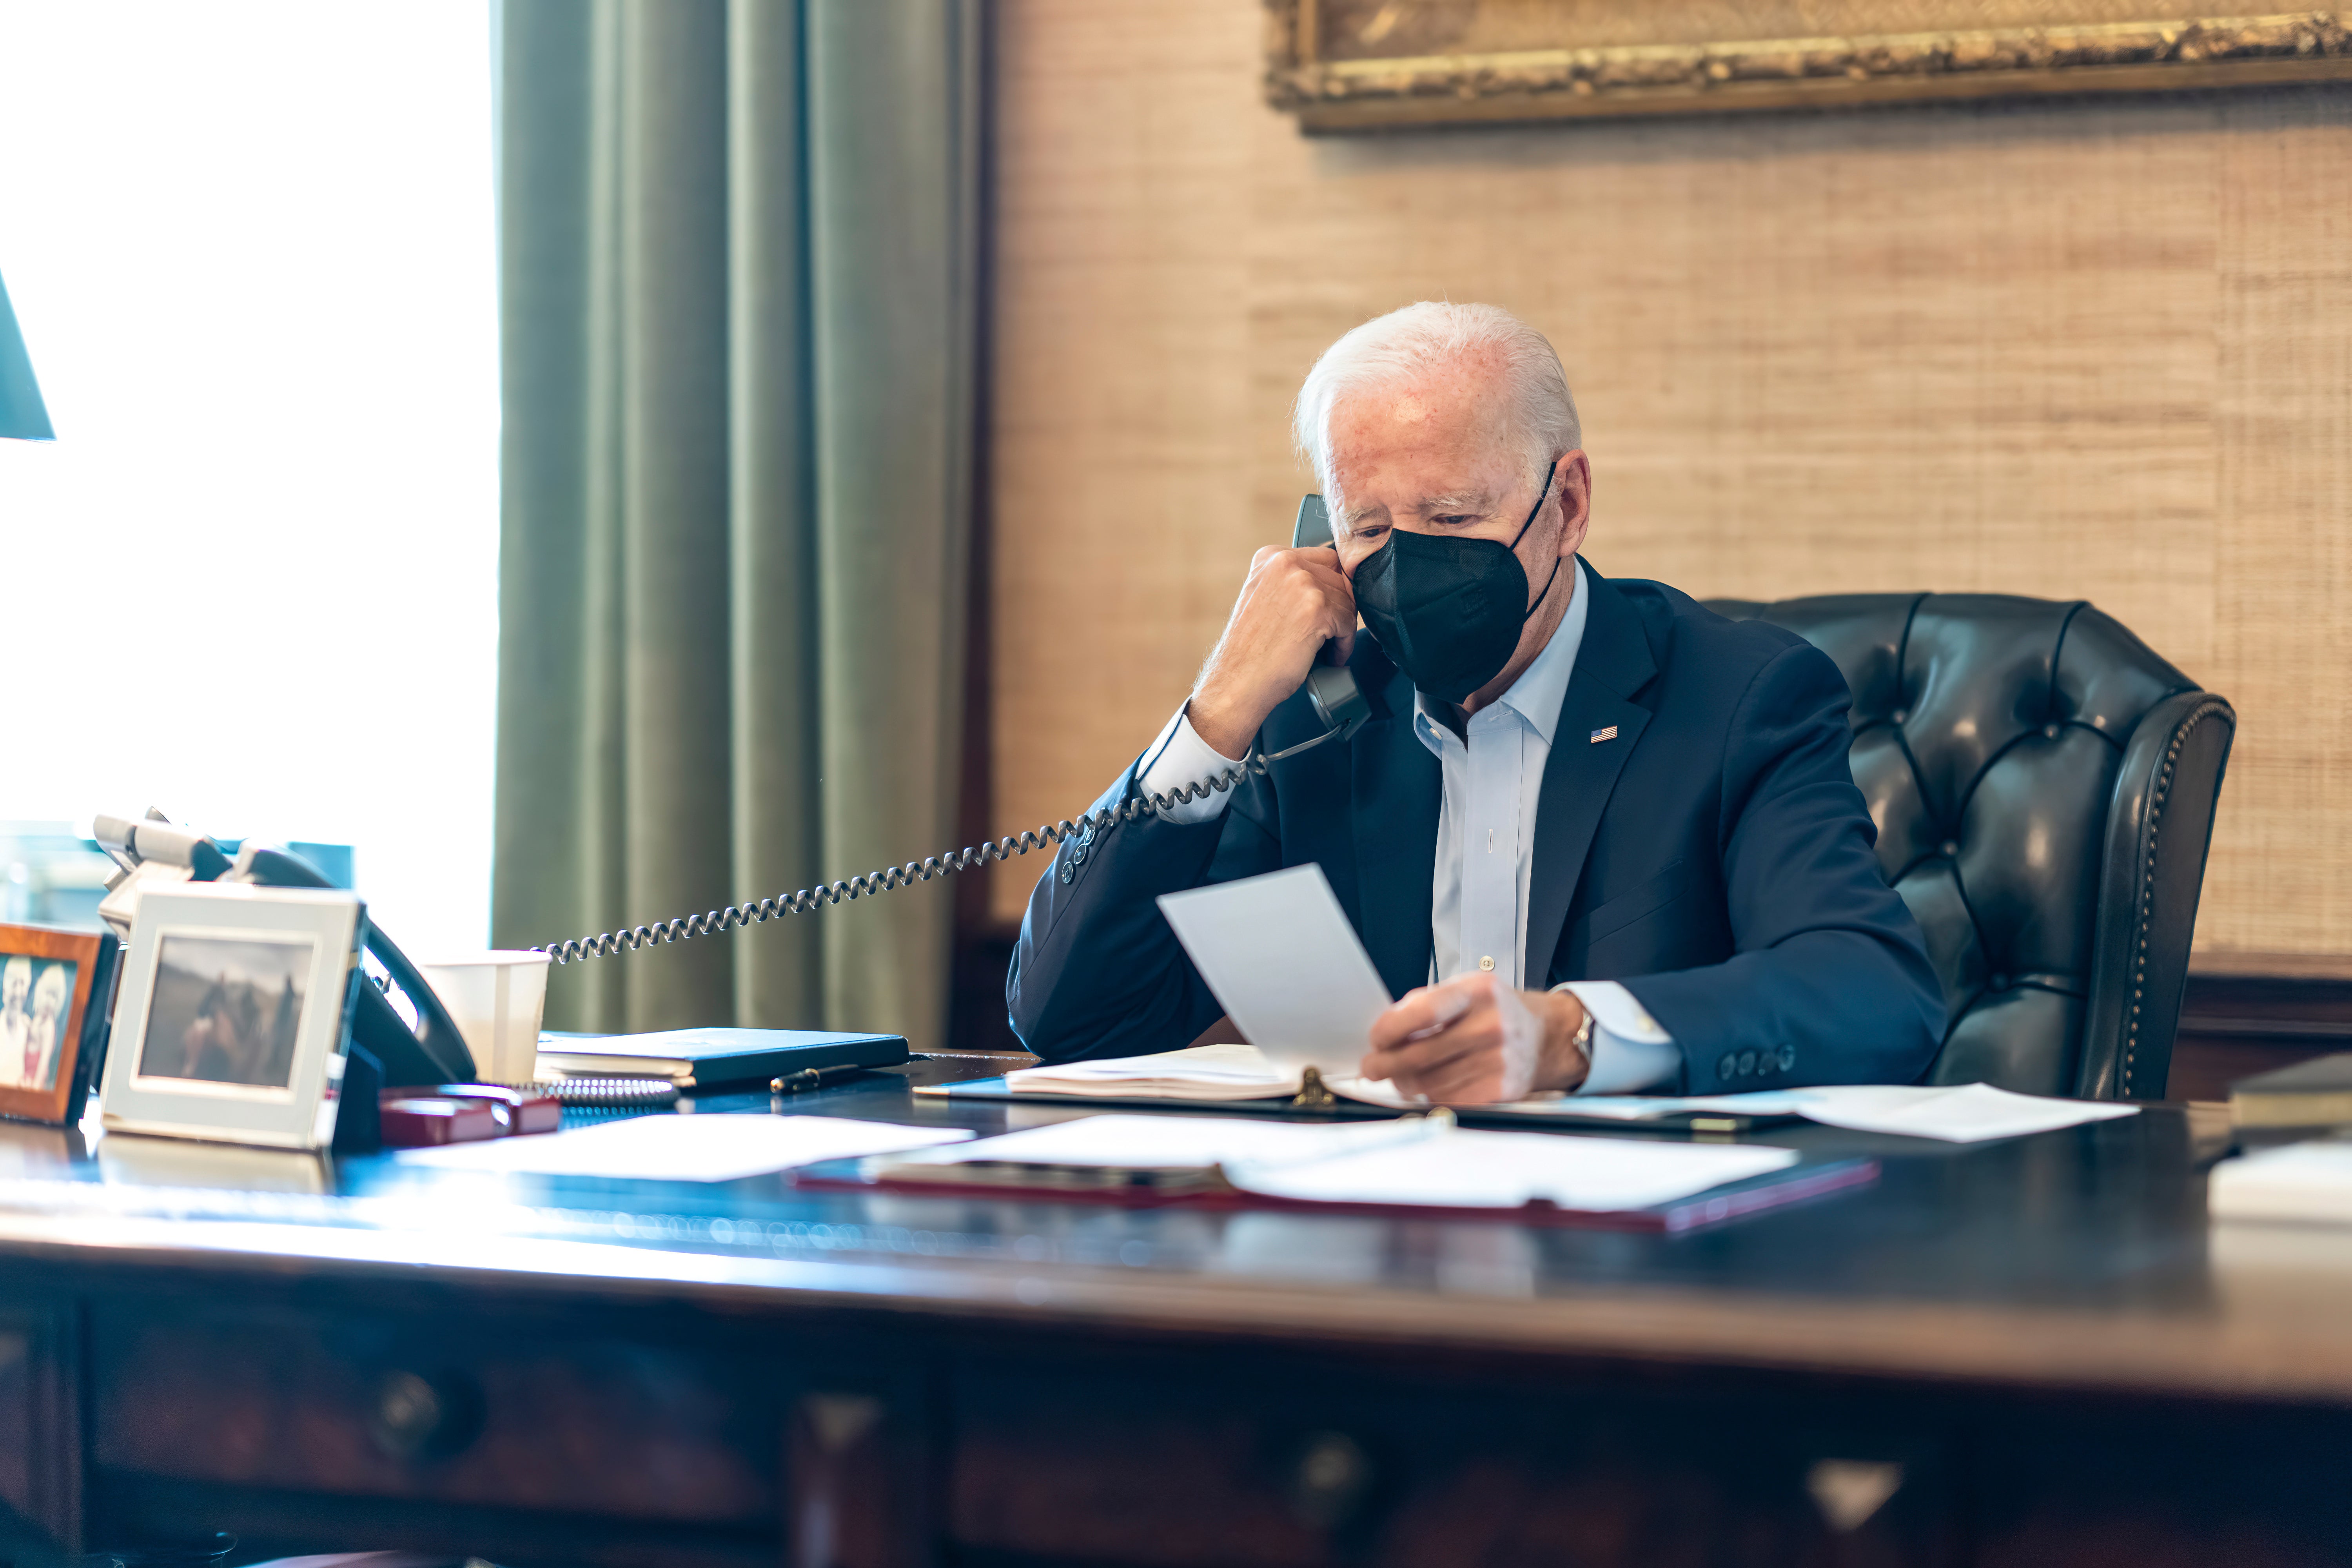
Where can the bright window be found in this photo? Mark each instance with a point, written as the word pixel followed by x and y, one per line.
pixel 254 580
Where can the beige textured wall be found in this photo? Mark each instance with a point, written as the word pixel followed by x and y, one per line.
pixel 2099 349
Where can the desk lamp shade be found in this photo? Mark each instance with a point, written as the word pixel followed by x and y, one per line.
pixel 22 413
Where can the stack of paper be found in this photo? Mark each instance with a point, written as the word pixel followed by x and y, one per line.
pixel 1204 1073
pixel 2308 1183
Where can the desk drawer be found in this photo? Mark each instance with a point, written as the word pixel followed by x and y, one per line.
pixel 1170 1471
pixel 40 1429
pixel 431 1410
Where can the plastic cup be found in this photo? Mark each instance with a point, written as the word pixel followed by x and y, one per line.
pixel 497 999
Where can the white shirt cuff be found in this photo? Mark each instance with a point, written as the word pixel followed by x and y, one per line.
pixel 1630 1051
pixel 1180 757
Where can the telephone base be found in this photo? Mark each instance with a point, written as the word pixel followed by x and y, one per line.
pixel 359 1121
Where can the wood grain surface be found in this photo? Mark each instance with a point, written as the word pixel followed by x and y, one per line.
pixel 2092 348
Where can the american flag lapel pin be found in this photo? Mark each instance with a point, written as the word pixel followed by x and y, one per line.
pixel 1608 734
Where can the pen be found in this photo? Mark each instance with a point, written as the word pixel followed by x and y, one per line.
pixel 811 1079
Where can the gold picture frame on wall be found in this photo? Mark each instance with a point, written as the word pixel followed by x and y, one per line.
pixel 1358 64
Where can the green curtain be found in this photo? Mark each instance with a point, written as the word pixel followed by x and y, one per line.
pixel 737 260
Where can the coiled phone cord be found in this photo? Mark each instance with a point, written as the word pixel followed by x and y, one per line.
pixel 808 900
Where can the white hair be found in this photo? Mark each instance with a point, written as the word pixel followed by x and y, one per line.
pixel 1539 411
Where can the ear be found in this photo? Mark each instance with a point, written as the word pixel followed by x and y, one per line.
pixel 1573 477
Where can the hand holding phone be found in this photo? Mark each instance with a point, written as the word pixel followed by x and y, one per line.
pixel 1297 610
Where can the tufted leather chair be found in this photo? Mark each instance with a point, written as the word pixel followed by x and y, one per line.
pixel 2043 786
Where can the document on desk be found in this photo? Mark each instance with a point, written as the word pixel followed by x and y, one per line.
pixel 1417 1161
pixel 1465 1169
pixel 1960 1113
pixel 1284 963
pixel 1177 1143
pixel 674 1148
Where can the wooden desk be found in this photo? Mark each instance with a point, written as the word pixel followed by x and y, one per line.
pixel 2066 1365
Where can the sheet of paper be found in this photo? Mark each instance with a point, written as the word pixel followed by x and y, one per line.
pixel 1283 960
pixel 1967 1113
pixel 686 1147
pixel 1468 1169
pixel 1180 1142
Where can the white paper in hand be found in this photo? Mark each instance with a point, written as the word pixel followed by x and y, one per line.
pixel 1279 953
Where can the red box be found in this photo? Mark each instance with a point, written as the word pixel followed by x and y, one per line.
pixel 417 1122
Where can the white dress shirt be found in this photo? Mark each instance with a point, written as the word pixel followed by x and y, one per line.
pixel 1485 845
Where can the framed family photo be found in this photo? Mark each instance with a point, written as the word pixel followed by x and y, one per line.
pixel 234 1014
pixel 1350 65
pixel 55 986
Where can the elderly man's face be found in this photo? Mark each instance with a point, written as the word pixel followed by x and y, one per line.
pixel 1423 456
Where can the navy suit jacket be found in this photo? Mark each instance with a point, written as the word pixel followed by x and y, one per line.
pixel 1715 857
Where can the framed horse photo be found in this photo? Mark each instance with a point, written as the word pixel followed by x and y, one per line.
pixel 1357 65
pixel 236 1014
pixel 56 987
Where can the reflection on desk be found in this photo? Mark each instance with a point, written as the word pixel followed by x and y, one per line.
pixel 2038 1335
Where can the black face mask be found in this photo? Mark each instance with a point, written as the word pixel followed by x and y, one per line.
pixel 1448 610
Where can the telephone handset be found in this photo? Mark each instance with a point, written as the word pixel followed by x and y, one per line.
pixel 435 1051
pixel 155 852
pixel 1331 691
pixel 1330 687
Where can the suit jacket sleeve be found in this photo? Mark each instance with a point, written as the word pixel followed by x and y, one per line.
pixel 1830 975
pixel 1097 971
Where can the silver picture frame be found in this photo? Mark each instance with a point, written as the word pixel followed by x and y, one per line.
pixel 234 1016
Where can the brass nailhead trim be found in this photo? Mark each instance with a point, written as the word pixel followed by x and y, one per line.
pixel 2148 899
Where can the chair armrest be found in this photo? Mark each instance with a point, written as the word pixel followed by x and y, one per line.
pixel 2159 825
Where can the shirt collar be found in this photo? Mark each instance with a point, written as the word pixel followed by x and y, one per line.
pixel 1536 696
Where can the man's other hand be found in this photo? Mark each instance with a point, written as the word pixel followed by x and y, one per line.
pixel 1473 1042
pixel 1292 603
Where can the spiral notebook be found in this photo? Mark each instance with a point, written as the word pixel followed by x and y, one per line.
pixel 705 1059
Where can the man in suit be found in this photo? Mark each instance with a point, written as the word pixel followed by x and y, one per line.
pixel 1596 837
